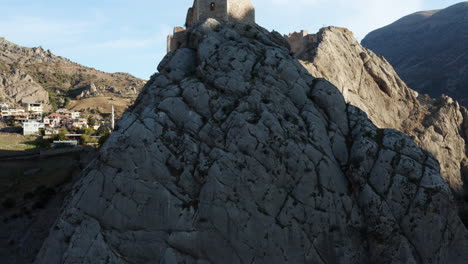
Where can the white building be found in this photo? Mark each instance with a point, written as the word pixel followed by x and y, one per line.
pixel 32 127
pixel 34 110
pixel 15 113
pixel 34 107
pixel 75 115
pixel 68 113
pixel 76 123
pixel 54 120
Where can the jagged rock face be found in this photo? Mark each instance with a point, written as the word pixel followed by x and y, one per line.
pixel 365 80
pixel 235 153
pixel 20 87
pixel 12 53
pixel 369 82
pixel 428 50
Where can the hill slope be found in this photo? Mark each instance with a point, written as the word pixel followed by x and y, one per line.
pixel 35 74
pixel 234 152
pixel 428 50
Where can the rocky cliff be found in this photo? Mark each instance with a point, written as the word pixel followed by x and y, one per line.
pixel 34 74
pixel 235 153
pixel 428 50
pixel 369 82
pixel 20 87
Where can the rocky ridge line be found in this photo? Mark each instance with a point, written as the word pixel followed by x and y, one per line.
pixel 12 53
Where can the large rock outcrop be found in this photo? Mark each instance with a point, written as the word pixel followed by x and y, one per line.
pixel 234 153
pixel 21 88
pixel 428 50
pixel 369 82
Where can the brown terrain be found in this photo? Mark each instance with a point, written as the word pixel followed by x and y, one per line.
pixel 34 74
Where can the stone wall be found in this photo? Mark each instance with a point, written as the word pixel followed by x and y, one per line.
pixel 203 10
pixel 300 41
pixel 224 10
pixel 175 40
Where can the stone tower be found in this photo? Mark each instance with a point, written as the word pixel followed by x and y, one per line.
pixel 227 11
pixel 222 10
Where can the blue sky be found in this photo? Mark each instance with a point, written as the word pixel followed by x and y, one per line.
pixel 130 35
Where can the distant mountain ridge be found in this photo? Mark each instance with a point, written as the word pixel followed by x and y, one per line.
pixel 429 50
pixel 36 74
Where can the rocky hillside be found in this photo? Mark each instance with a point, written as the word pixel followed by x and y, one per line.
pixel 369 82
pixel 428 50
pixel 17 86
pixel 34 74
pixel 235 152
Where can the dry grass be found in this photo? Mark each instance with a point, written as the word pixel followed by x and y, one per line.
pixel 71 76
pixel 102 104
pixel 15 142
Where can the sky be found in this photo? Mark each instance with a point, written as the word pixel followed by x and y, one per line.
pixel 130 35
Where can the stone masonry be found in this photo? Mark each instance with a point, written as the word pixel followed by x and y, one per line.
pixel 228 11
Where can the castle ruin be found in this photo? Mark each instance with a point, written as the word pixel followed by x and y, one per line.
pixel 300 41
pixel 227 11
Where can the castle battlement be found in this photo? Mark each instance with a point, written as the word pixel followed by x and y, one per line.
pixel 227 11
pixel 223 10
pixel 299 41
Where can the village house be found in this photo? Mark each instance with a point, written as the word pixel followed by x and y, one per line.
pixel 34 110
pixel 76 123
pixel 34 107
pixel 32 127
pixel 68 113
pixel 13 113
pixel 54 120
pixel 48 131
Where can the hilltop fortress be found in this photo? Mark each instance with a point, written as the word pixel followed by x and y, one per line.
pixel 227 11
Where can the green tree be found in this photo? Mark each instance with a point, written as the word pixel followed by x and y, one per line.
pixel 62 132
pixel 91 121
pixel 88 131
pixel 103 131
pixel 66 101
pixel 86 135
